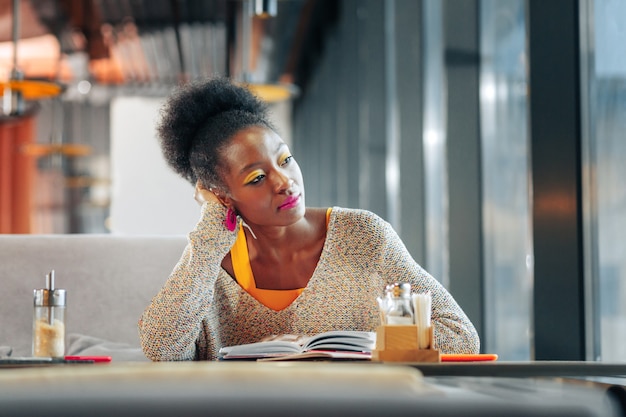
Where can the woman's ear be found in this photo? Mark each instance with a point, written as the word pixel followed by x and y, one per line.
pixel 221 195
pixel 203 194
pixel 226 200
pixel 222 199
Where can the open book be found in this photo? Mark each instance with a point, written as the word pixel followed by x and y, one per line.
pixel 338 344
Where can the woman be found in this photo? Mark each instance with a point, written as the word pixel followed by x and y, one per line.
pixel 259 262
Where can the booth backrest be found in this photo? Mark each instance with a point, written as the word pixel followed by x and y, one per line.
pixel 109 280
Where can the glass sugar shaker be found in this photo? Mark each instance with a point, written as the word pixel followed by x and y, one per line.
pixel 49 320
pixel 399 307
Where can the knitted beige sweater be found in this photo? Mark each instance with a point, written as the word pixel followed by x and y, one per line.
pixel 201 308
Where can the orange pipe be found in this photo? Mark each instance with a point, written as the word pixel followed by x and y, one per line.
pixel 23 172
pixel 6 174
pixel 16 173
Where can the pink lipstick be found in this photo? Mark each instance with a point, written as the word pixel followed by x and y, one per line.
pixel 290 202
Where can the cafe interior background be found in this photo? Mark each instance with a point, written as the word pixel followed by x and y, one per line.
pixel 489 133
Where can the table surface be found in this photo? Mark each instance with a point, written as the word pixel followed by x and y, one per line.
pixel 321 387
pixel 492 369
pixel 525 369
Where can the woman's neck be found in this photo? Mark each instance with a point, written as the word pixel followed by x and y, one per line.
pixel 284 244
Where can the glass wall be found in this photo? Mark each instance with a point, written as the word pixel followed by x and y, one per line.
pixel 604 113
pixel 434 142
pixel 505 171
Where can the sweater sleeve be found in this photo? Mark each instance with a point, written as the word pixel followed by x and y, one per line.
pixel 453 331
pixel 172 324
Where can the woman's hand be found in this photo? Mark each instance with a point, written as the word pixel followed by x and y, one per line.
pixel 201 194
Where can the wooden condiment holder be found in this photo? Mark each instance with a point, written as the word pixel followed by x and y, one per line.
pixel 399 343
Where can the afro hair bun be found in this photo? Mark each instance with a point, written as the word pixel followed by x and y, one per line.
pixel 188 110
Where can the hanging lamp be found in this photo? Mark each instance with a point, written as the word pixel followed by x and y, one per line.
pixel 265 8
pixel 267 91
pixel 17 89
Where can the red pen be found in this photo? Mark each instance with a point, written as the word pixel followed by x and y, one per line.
pixel 88 358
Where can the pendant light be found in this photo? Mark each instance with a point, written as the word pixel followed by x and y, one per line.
pixel 17 89
pixel 267 91
pixel 265 8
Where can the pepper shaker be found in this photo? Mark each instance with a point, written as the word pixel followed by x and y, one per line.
pixel 399 307
pixel 49 320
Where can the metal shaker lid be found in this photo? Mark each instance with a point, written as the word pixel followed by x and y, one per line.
pixel 399 289
pixel 49 296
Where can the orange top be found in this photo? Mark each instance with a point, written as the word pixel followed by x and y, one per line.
pixel 274 299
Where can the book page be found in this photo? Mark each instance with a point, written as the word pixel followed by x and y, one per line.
pixel 320 355
pixel 347 340
pixel 276 346
pixel 262 348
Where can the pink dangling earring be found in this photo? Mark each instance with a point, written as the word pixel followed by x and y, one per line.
pixel 231 219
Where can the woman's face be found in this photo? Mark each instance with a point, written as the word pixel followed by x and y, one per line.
pixel 264 181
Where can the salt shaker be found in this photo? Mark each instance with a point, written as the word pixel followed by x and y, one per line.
pixel 49 320
pixel 399 307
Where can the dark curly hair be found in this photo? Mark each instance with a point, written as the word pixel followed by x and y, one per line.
pixel 198 120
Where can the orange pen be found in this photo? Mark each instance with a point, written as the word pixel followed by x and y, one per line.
pixel 468 357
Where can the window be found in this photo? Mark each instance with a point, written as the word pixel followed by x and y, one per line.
pixel 505 175
pixel 604 115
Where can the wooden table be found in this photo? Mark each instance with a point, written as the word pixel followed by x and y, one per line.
pixel 291 388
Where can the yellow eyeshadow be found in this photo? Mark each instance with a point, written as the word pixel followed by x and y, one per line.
pixel 284 156
pixel 251 176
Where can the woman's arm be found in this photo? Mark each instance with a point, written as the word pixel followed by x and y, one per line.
pixel 171 325
pixel 454 332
